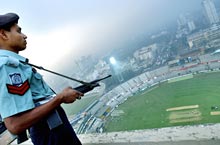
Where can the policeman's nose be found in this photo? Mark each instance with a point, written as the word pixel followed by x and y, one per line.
pixel 25 36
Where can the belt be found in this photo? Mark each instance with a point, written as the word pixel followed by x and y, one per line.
pixel 44 100
pixel 53 120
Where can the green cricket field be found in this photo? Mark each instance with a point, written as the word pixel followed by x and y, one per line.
pixel 190 100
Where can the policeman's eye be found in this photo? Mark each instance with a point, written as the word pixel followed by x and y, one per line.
pixel 19 30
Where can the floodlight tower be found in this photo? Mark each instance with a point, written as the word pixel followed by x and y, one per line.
pixel 112 60
pixel 116 68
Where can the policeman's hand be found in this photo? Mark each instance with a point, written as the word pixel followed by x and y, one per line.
pixel 69 95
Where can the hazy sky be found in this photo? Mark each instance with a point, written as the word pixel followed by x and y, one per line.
pixel 57 29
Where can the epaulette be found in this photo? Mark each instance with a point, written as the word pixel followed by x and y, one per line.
pixel 10 61
pixel 13 61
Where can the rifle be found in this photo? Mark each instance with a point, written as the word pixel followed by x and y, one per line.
pixel 84 88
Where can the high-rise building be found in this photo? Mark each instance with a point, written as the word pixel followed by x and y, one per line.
pixel 191 26
pixel 210 11
pixel 185 25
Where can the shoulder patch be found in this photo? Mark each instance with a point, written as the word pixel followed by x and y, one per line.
pixel 15 79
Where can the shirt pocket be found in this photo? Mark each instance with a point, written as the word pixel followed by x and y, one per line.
pixel 37 84
pixel 38 76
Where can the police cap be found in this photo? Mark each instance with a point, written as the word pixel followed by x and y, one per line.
pixel 8 19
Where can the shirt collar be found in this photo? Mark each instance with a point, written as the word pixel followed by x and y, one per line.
pixel 12 54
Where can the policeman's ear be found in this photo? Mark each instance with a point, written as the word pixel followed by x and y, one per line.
pixel 3 34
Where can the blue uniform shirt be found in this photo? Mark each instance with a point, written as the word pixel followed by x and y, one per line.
pixel 20 85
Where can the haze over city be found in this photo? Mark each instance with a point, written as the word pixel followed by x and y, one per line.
pixel 57 30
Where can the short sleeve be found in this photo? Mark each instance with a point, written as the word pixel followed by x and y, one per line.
pixel 15 96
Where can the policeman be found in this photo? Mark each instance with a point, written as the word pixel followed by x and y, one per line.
pixel 26 101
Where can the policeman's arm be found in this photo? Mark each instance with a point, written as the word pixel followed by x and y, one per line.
pixel 19 122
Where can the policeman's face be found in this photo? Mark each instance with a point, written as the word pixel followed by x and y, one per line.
pixel 16 39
